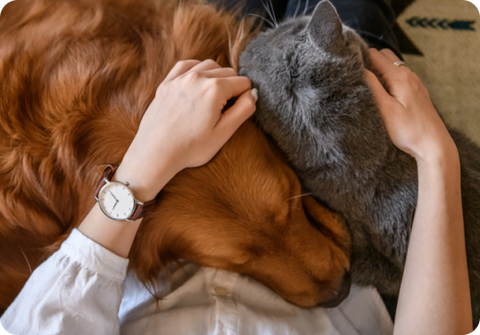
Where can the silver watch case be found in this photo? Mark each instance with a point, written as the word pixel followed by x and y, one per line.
pixel 126 184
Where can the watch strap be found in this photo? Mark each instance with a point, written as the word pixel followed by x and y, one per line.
pixel 107 174
pixel 140 208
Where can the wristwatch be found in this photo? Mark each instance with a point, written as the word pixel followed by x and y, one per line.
pixel 116 200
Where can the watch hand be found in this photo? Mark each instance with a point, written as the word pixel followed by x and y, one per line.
pixel 114 205
pixel 113 196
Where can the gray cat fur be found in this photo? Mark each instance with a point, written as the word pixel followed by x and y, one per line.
pixel 315 103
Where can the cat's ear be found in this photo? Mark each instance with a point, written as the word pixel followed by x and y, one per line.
pixel 325 28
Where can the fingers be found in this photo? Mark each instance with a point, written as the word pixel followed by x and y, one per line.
pixel 181 67
pixel 211 68
pixel 228 82
pixel 383 62
pixel 233 117
pixel 382 97
pixel 390 55
pixel 234 86
pixel 220 73
pixel 208 64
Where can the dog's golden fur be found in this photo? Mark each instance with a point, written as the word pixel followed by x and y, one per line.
pixel 76 77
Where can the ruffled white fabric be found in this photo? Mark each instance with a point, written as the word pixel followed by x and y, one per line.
pixel 84 289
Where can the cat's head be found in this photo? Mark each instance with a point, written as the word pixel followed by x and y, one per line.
pixel 310 72
pixel 311 53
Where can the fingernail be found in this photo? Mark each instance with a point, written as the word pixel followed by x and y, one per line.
pixel 255 94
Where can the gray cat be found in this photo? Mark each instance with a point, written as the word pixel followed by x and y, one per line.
pixel 316 105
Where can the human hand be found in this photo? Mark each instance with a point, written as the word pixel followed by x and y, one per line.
pixel 184 125
pixel 412 122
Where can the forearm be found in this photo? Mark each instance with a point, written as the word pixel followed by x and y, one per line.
pixel 435 295
pixel 116 236
pixel 184 126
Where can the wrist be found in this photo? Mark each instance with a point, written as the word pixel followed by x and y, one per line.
pixel 145 181
pixel 148 168
pixel 440 152
pixel 446 161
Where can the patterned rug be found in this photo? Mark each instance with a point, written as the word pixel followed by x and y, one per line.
pixel 446 34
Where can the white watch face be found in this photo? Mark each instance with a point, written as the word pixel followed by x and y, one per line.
pixel 116 201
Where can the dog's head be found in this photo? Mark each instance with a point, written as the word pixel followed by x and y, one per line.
pixel 77 77
pixel 245 212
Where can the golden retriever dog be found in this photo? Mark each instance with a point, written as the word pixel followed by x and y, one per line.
pixel 76 77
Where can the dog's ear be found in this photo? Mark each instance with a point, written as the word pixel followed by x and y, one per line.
pixel 328 223
pixel 150 256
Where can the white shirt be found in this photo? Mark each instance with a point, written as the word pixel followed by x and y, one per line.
pixel 84 288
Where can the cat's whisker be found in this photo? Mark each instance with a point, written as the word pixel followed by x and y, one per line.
pixel 296 9
pixel 305 9
pixel 264 19
pixel 273 13
pixel 311 6
pixel 267 9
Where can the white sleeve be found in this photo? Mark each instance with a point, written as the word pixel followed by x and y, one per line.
pixel 78 290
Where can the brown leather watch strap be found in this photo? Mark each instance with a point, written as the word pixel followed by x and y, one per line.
pixel 108 173
pixel 140 208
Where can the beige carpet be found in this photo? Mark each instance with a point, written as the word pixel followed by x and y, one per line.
pixel 450 67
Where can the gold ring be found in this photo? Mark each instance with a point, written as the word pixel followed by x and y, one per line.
pixel 400 63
